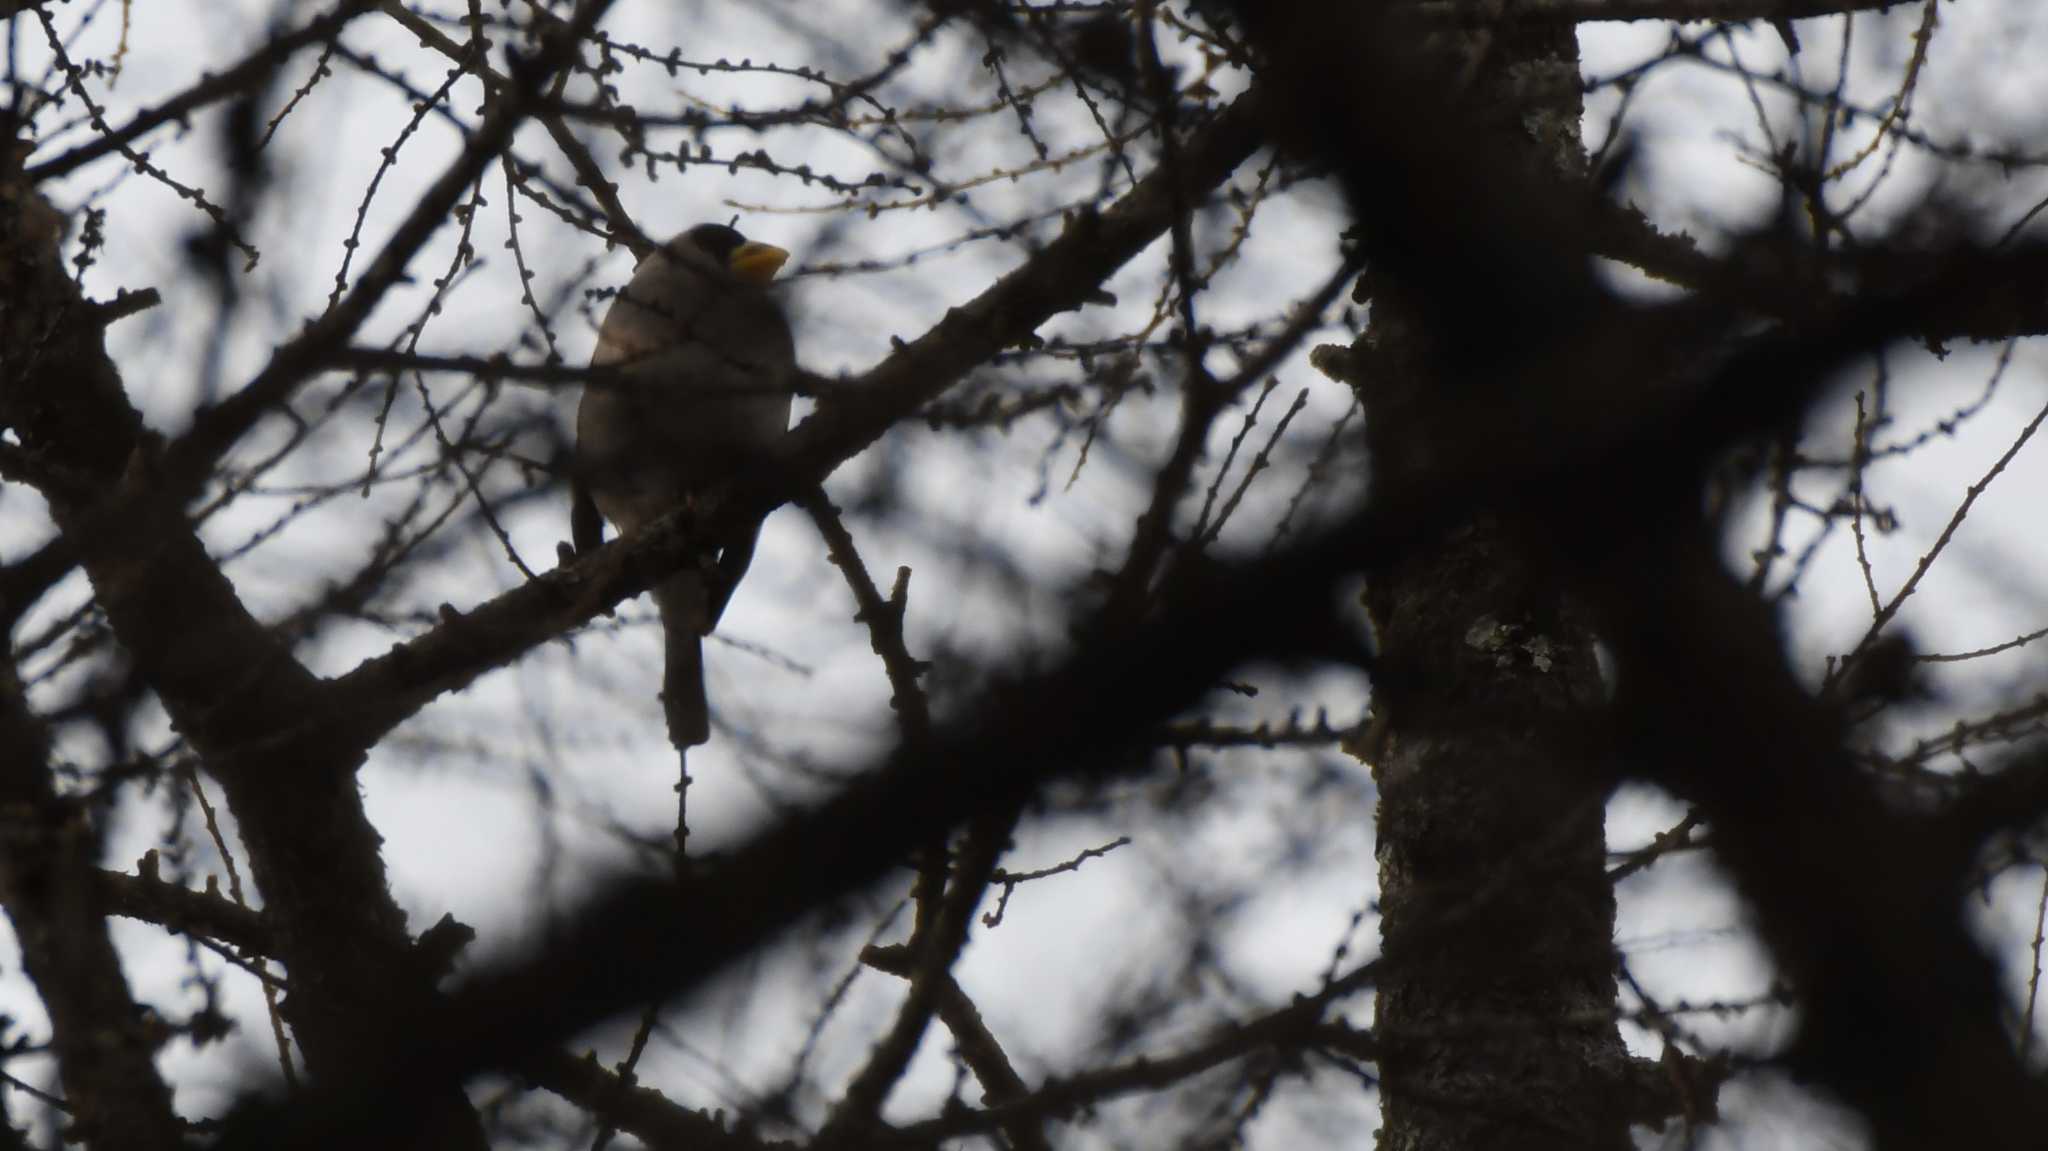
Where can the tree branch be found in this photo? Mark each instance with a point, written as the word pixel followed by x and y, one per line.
pixel 105 1057
pixel 384 691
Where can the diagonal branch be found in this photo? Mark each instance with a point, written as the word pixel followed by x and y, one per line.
pixel 382 692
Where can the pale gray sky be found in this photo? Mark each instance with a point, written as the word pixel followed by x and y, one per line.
pixel 455 792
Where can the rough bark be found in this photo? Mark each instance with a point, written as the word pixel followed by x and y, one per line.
pixel 231 687
pixel 1497 998
pixel 1496 1006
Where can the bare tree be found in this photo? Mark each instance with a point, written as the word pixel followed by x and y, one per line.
pixel 1181 358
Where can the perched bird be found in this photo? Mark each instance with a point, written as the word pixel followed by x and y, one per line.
pixel 704 362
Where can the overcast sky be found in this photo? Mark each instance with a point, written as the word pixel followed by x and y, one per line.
pixel 501 804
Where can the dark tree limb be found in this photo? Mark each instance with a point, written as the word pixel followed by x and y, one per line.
pixel 1903 1015
pixel 105 1055
pixel 640 941
pixel 225 679
pixel 382 692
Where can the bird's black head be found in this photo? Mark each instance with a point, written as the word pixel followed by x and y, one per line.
pixel 716 240
pixel 722 247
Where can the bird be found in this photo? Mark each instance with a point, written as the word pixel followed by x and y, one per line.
pixel 701 361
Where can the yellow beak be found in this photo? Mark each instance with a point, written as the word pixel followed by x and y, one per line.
pixel 756 263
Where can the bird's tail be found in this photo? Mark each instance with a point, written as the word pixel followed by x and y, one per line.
pixel 685 610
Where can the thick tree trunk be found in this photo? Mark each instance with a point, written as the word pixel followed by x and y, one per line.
pixel 232 688
pixel 1496 1010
